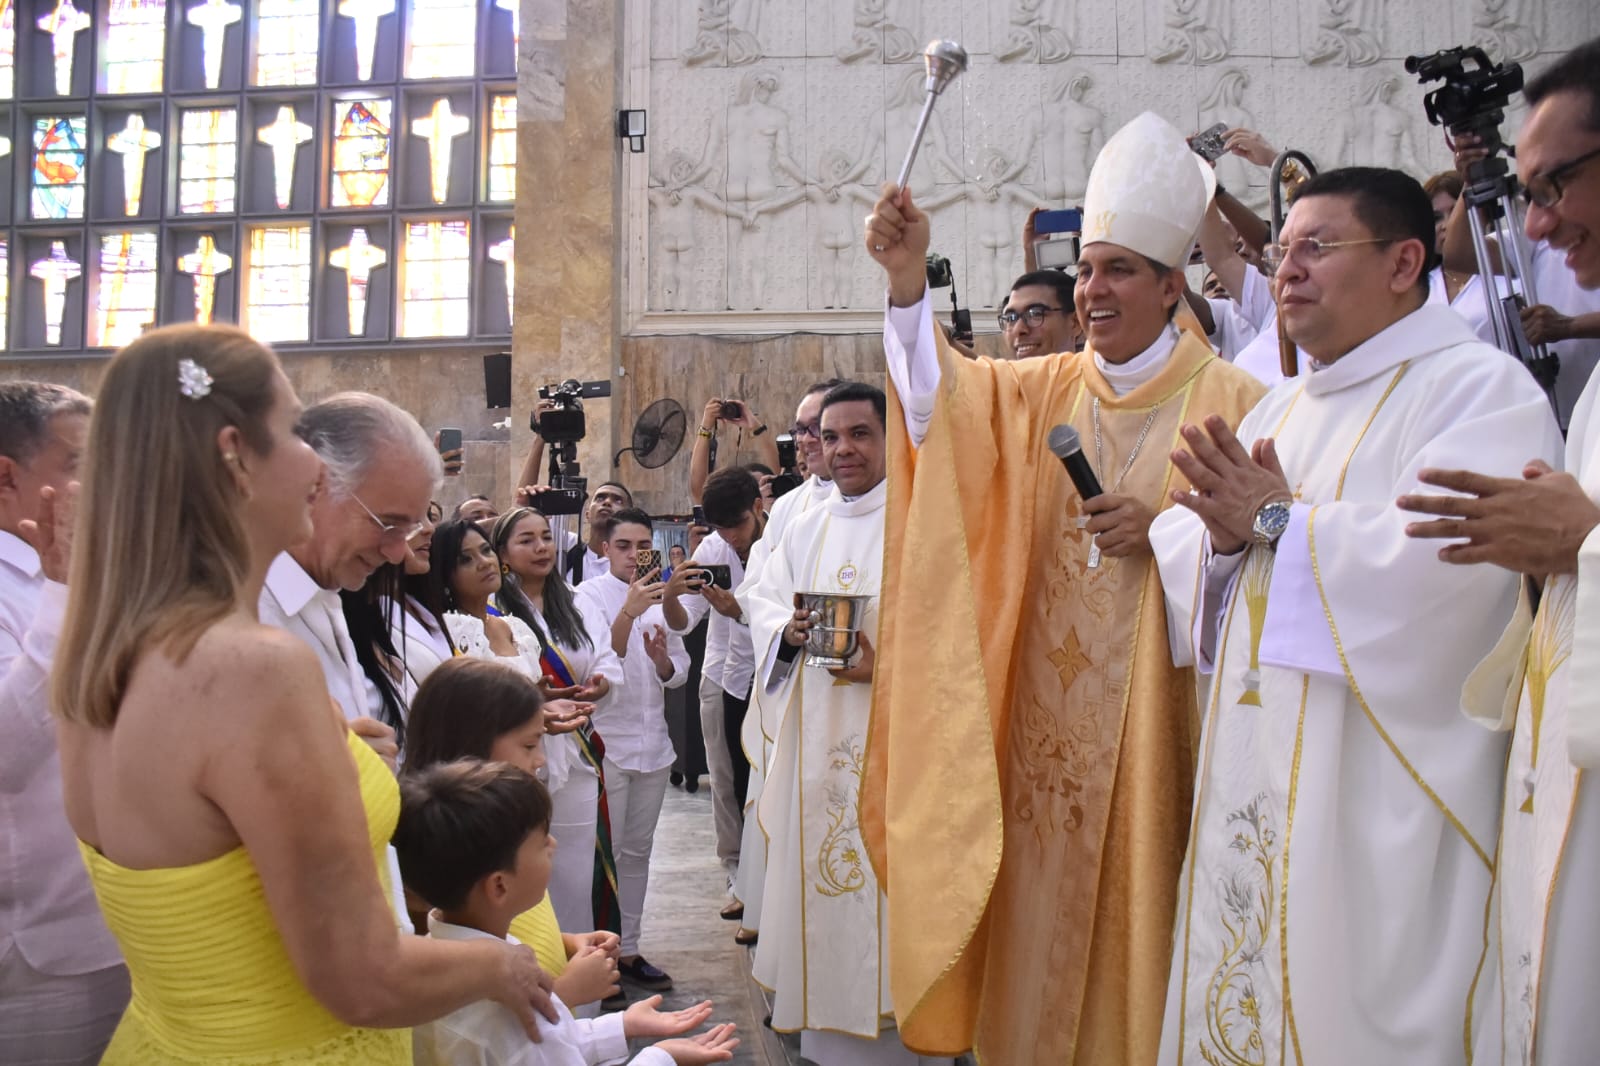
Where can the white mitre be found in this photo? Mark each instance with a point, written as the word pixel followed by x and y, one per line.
pixel 1148 191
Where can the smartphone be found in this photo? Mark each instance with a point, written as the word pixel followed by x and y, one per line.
pixel 647 559
pixel 700 516
pixel 449 440
pixel 557 502
pixel 1210 144
pixel 720 575
pixel 732 410
pixel 1067 221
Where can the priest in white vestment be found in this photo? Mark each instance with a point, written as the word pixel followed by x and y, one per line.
pixel 1542 683
pixel 761 720
pixel 1332 901
pixel 823 950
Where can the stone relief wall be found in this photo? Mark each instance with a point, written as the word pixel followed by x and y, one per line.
pixel 772 124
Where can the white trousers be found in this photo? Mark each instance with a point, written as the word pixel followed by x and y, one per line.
pixel 634 799
pixel 46 1020
pixel 574 809
pixel 725 814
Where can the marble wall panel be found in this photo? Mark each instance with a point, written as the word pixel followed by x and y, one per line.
pixel 1324 76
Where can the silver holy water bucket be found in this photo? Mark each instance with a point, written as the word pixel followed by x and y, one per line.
pixel 835 626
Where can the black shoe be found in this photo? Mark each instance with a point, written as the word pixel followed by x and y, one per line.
pixel 646 976
pixel 675 779
pixel 616 1002
pixel 692 784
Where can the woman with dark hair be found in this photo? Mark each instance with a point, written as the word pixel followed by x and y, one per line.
pixel 1462 293
pixel 577 661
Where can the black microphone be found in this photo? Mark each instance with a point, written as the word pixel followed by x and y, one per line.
pixel 1065 445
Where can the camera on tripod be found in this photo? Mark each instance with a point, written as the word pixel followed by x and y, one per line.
pixel 566 424
pixel 1469 101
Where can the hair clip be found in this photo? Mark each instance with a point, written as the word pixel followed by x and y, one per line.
pixel 193 379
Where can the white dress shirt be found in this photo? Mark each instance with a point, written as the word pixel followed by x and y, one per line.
pixel 633 722
pixel 730 659
pixel 292 600
pixel 487 1034
pixel 48 910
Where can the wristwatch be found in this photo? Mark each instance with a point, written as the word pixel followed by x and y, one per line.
pixel 1270 522
pixel 762 428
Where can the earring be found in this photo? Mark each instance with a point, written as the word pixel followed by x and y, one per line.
pixel 230 457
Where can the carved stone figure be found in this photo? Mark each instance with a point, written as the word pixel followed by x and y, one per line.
pixel 725 33
pixel 675 192
pixel 889 143
pixel 838 196
pixel 1347 31
pixel 1073 133
pixel 994 214
pixel 1378 132
pixel 1035 36
pixel 1506 29
pixel 877 33
pixel 762 178
pixel 1193 32
pixel 1225 104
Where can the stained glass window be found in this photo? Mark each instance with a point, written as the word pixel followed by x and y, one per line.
pixel 208 160
pixel 277 297
pixel 442 39
pixel 361 153
pixel 54 271
pixel 8 47
pixel 135 46
pixel 435 280
pixel 63 25
pixel 127 296
pixel 365 14
pixel 5 288
pixel 58 154
pixel 286 42
pixel 503 147
pixel 213 17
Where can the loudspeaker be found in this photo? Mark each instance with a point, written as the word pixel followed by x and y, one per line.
pixel 497 379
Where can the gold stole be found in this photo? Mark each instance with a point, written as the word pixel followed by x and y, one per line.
pixel 1059 960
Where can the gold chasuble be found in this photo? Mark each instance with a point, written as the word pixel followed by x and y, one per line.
pixel 1032 749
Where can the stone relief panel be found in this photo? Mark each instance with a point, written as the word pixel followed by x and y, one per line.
pixel 773 125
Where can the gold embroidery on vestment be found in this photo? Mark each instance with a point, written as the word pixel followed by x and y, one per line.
pixel 1249 904
pixel 840 855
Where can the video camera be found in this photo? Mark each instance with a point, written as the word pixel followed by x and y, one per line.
pixel 566 423
pixel 1469 101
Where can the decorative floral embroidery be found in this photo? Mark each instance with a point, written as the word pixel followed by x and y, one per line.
pixel 1055 761
pixel 1249 907
pixel 840 866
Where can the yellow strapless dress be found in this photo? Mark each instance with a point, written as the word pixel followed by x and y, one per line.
pixel 212 982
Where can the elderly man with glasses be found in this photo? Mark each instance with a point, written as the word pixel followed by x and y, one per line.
pixel 1338 648
pixel 381 472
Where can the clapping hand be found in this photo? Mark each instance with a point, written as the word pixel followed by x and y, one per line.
pixel 714 1045
pixel 593 690
pixel 602 940
pixel 1230 484
pixel 590 976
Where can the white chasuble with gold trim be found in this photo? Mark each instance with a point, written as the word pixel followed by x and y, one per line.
pixel 1544 946
pixel 823 947
pixel 1333 898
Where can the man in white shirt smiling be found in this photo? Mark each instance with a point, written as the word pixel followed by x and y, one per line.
pixel 638 750
pixel 62 983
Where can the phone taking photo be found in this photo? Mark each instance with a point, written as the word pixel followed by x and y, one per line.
pixel 646 560
pixel 1210 144
pixel 718 574
pixel 449 440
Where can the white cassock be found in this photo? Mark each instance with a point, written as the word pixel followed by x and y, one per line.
pixel 1544 951
pixel 824 948
pixel 757 742
pixel 1334 893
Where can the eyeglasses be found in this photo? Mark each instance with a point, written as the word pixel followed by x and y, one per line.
pixel 387 531
pixel 800 429
pixel 1034 313
pixel 1310 250
pixel 1545 190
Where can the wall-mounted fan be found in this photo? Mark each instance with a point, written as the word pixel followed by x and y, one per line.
pixel 657 435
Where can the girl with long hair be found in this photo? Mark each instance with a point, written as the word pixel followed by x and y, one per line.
pixel 577 661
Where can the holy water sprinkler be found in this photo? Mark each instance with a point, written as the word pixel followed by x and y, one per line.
pixel 945 60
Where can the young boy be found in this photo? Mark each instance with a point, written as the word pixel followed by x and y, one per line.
pixel 473 840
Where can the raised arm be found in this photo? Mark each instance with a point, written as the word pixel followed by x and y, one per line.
pixel 700 457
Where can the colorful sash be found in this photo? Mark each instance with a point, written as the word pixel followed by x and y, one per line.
pixel 607 913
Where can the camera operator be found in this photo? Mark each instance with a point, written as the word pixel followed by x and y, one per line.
pixel 1567 317
pixel 735 413
pixel 1540 683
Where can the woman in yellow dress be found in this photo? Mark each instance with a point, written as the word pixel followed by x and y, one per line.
pixel 232 826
